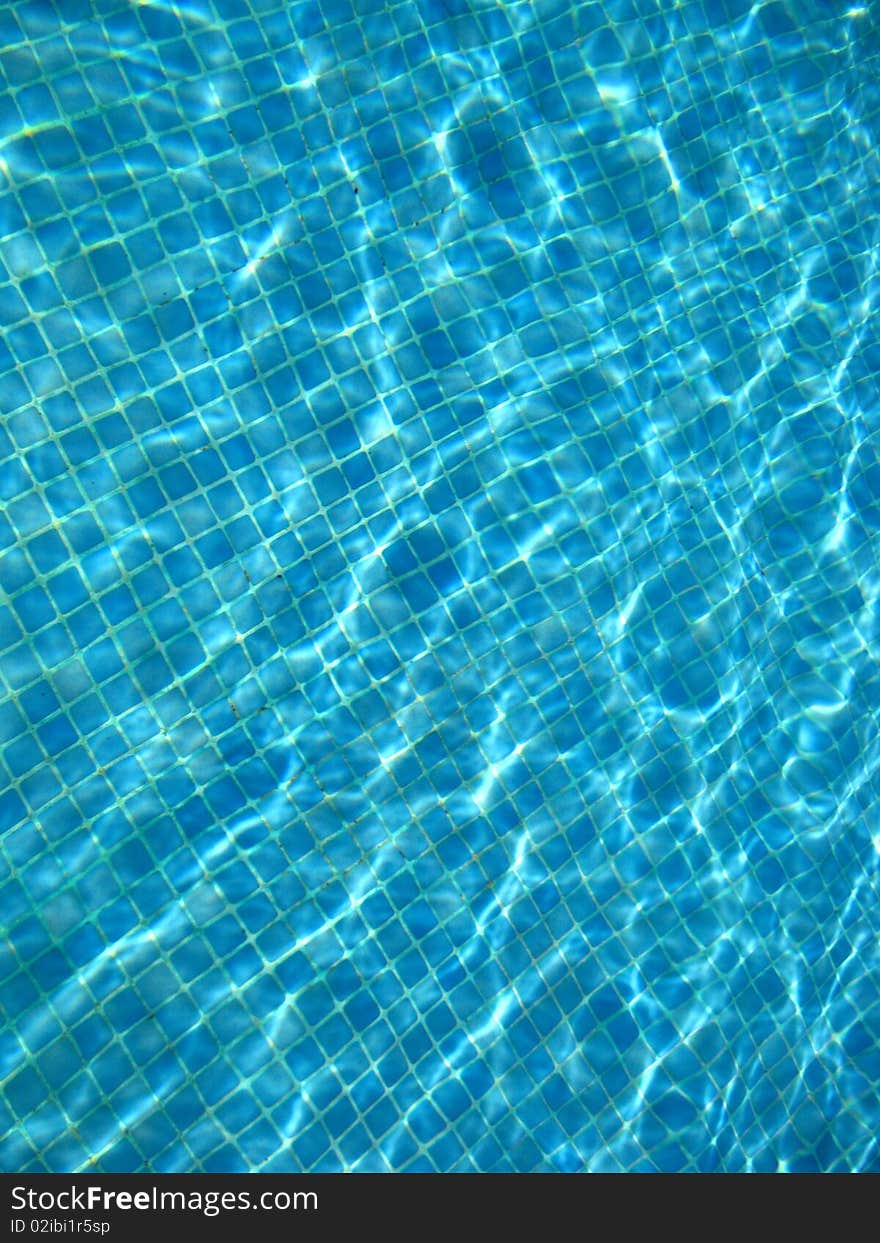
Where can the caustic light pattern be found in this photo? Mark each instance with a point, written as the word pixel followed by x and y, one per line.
pixel 439 632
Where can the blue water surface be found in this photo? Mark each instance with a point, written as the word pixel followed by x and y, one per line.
pixel 439 625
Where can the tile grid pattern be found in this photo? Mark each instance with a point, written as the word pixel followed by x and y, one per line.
pixel 439 562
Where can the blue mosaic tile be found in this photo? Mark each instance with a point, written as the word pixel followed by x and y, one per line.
pixel 438 586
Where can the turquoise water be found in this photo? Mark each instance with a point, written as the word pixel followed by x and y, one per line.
pixel 440 568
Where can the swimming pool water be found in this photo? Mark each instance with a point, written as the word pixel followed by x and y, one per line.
pixel 440 570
